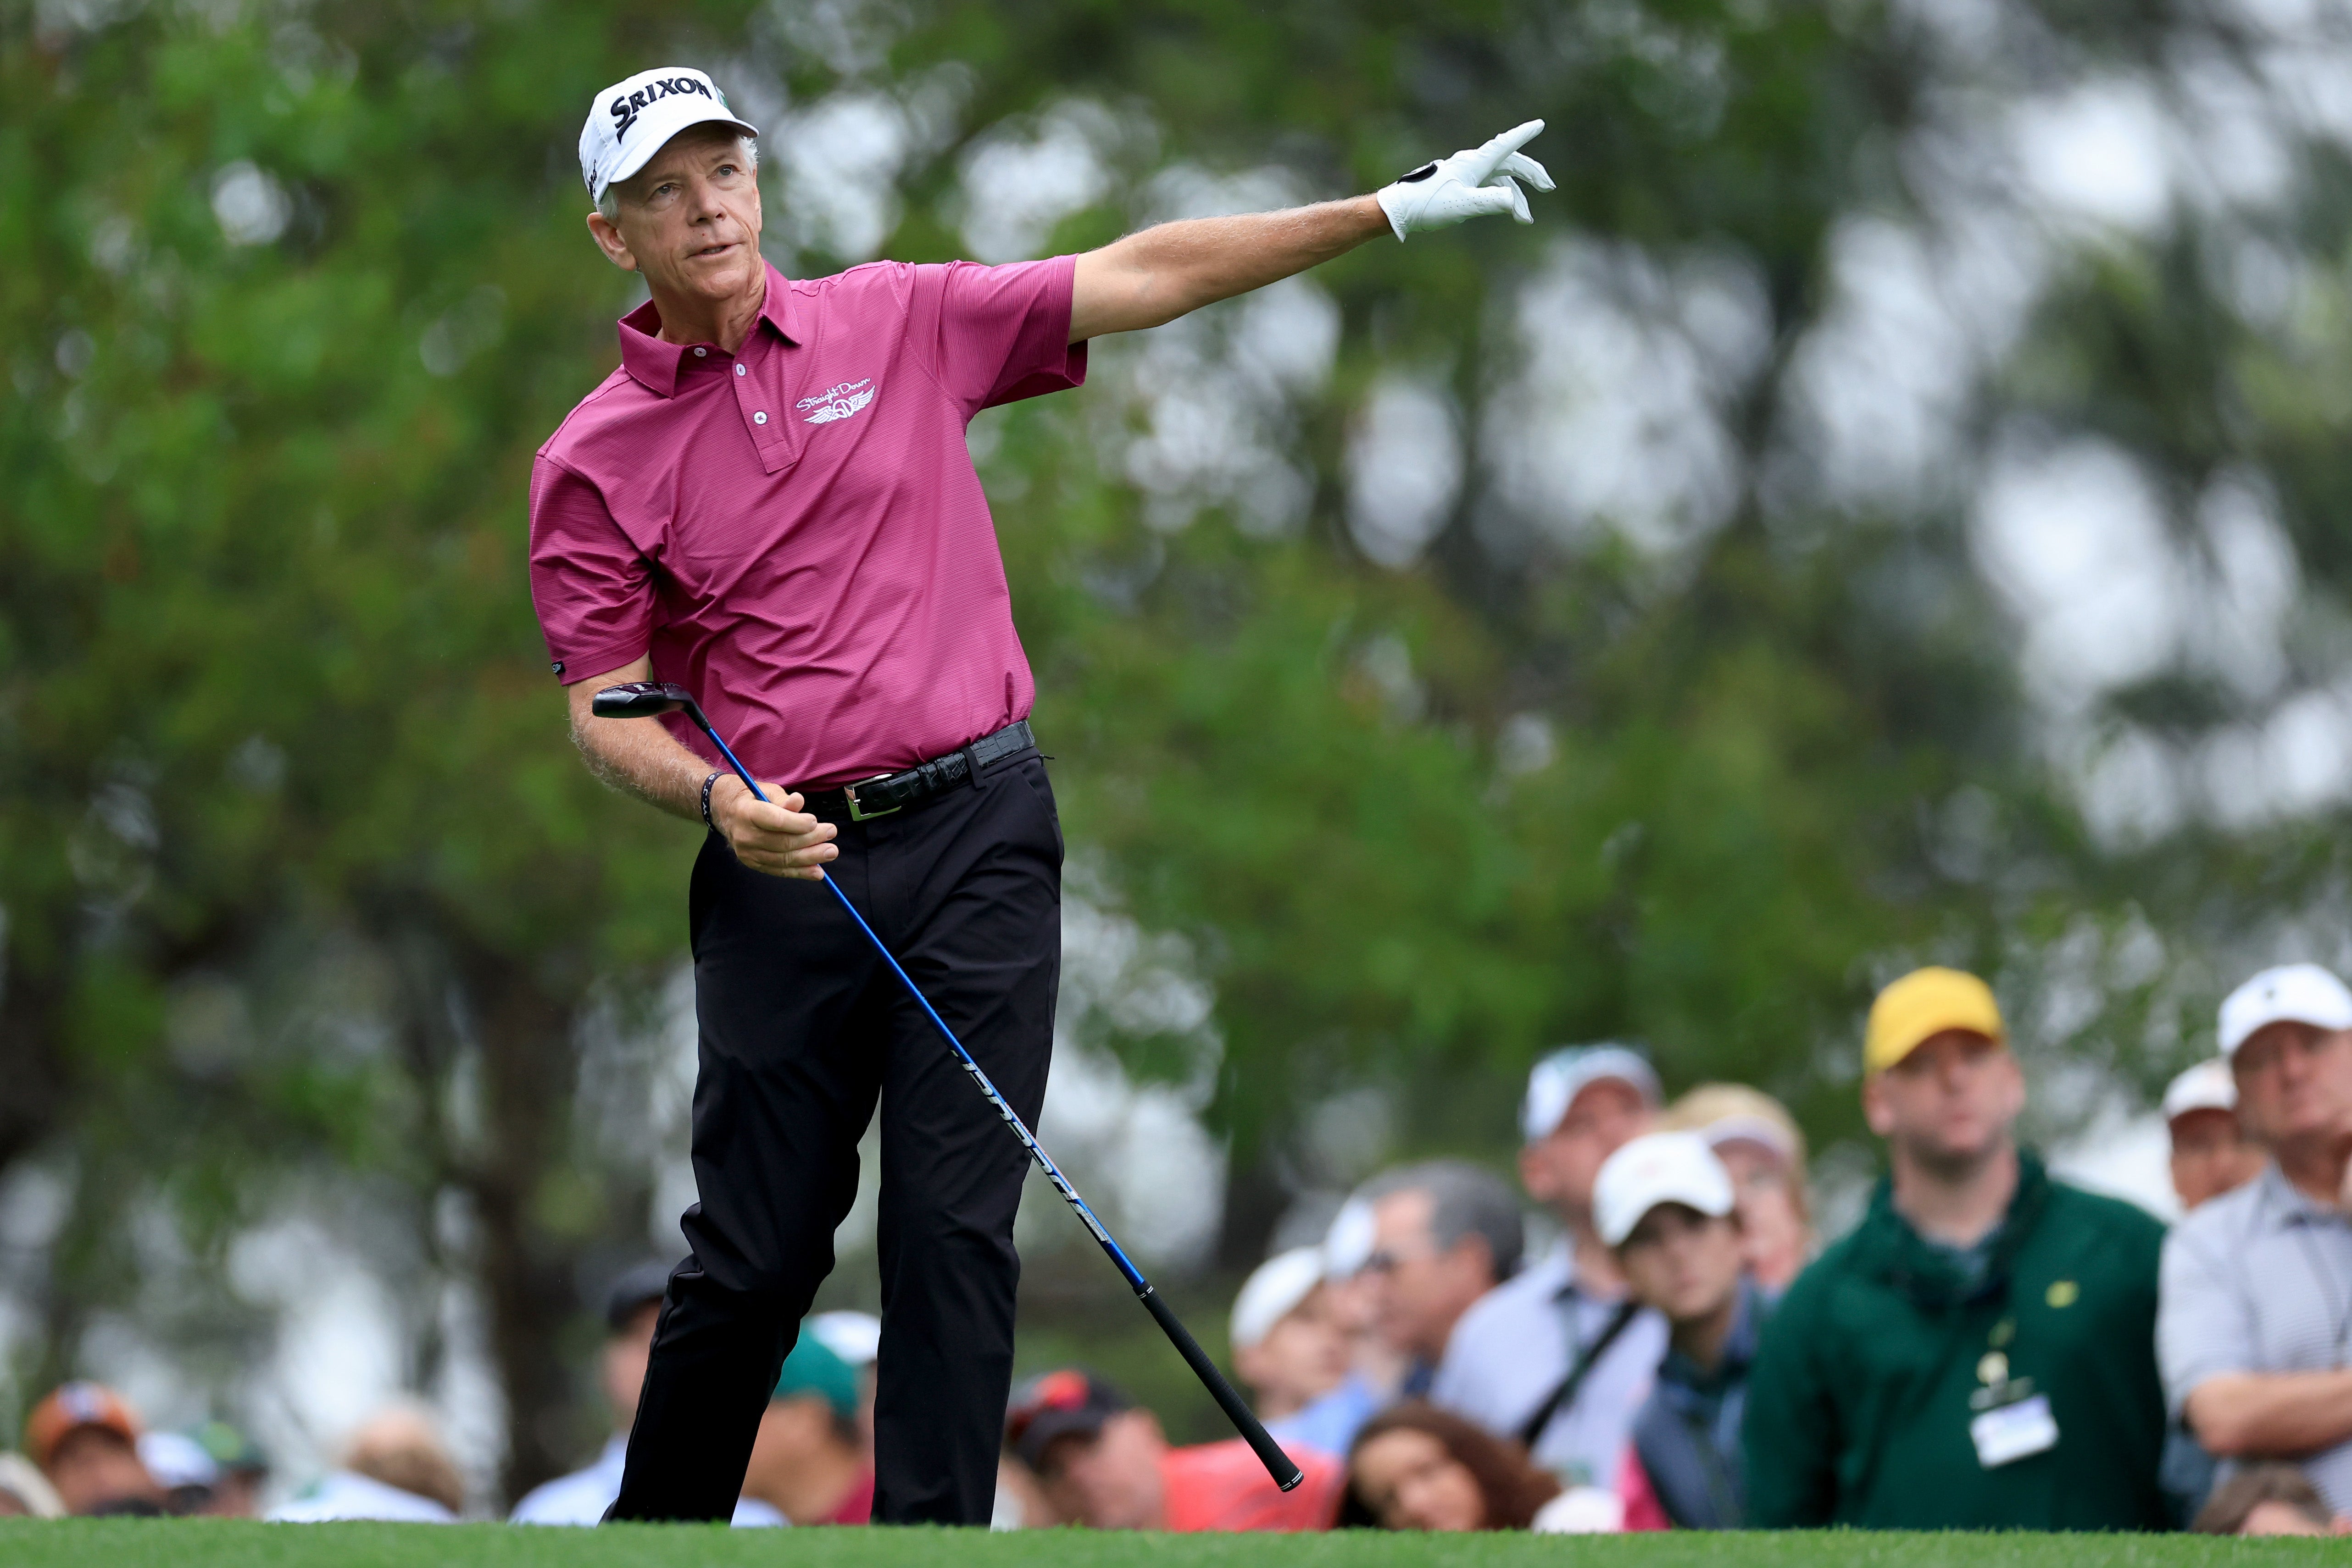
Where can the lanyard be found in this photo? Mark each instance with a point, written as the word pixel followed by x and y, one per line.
pixel 1992 1369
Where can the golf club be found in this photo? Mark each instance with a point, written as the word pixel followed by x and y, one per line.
pixel 650 699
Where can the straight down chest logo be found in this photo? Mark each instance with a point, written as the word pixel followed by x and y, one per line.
pixel 837 402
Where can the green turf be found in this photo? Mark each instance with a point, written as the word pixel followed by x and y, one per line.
pixel 171 1544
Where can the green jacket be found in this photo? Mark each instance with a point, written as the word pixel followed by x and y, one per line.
pixel 1858 1404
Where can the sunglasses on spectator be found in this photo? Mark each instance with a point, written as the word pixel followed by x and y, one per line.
pixel 1386 1260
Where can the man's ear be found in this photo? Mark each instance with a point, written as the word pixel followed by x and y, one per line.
pixel 1874 1108
pixel 608 240
pixel 1535 1172
pixel 1478 1256
pixel 2013 1095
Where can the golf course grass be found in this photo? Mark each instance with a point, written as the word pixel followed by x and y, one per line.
pixel 174 1543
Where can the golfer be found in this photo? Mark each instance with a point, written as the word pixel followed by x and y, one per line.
pixel 771 503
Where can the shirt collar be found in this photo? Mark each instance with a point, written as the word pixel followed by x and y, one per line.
pixel 653 363
pixel 2285 1203
pixel 781 308
pixel 1569 1286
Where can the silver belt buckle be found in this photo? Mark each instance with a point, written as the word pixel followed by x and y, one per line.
pixel 858 812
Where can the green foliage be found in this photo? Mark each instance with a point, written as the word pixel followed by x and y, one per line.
pixel 294 856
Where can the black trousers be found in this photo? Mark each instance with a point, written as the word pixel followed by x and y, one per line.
pixel 803 1029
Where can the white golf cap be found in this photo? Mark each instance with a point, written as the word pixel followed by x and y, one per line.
pixel 1348 1244
pixel 2208 1086
pixel 1274 1292
pixel 1657 1168
pixel 631 121
pixel 1559 1077
pixel 2291 993
pixel 176 1459
pixel 855 1337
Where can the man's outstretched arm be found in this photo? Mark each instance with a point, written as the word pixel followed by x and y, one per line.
pixel 1162 273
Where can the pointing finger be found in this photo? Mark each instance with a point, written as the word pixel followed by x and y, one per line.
pixel 1496 149
pixel 1528 169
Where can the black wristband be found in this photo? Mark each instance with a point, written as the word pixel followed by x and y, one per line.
pixel 706 799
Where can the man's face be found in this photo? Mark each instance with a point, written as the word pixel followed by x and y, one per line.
pixel 689 220
pixel 1418 1292
pixel 95 1465
pixel 1110 1481
pixel 2294 1082
pixel 1950 1103
pixel 793 1433
pixel 624 1369
pixel 1558 1171
pixel 2210 1155
pixel 1302 1357
pixel 1683 1263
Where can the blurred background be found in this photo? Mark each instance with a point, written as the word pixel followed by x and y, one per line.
pixel 1891 506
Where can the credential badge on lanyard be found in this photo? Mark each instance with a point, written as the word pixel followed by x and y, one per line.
pixel 2012 1422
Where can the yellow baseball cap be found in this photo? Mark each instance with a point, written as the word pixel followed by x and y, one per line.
pixel 1922 1004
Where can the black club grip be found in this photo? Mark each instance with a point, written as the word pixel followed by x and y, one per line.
pixel 1277 1464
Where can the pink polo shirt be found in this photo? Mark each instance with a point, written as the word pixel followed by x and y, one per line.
pixel 794 533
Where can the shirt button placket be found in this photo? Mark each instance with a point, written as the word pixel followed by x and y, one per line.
pixel 744 392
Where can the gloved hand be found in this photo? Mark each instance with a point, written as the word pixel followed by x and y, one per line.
pixel 1466 184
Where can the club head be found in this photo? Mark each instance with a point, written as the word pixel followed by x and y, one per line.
pixel 641 700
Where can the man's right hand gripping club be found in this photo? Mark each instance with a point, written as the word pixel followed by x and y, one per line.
pixel 776 835
pixel 640 757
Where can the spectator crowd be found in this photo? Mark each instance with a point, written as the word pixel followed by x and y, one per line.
pixel 1989 1348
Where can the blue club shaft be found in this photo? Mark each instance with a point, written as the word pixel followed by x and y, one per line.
pixel 1279 1465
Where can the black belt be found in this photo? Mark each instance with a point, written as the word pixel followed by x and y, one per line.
pixel 886 793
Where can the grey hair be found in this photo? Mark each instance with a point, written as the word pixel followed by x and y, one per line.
pixel 1465 1200
pixel 609 204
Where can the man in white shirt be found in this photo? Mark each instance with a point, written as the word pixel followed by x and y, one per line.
pixel 1558 1358
pixel 1444 1234
pixel 2254 1321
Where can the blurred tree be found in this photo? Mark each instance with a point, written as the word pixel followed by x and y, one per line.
pixel 280 366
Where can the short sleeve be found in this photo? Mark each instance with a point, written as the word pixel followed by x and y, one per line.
pixel 593 589
pixel 2204 1326
pixel 998 334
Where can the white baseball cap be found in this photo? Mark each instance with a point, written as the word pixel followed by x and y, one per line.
pixel 176 1460
pixel 1559 1077
pixel 1348 1244
pixel 1657 1168
pixel 2291 993
pixel 1274 1292
pixel 631 121
pixel 2208 1086
pixel 855 1337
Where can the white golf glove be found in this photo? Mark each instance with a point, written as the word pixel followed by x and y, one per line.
pixel 1466 185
